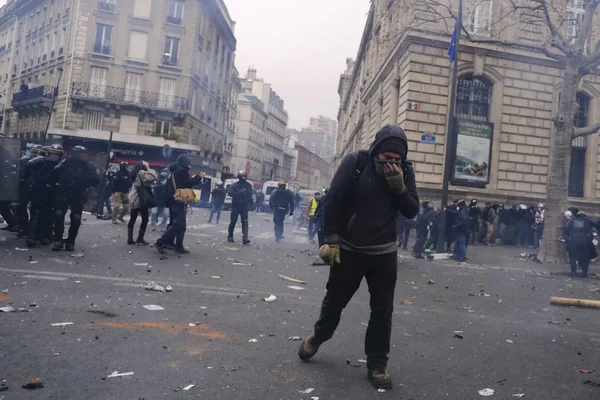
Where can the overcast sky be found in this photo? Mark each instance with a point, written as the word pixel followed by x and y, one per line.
pixel 300 47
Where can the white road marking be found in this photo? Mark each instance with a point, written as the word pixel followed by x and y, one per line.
pixel 50 278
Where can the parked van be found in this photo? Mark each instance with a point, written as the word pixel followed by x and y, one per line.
pixel 227 203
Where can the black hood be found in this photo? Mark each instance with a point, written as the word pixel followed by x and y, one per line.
pixel 387 132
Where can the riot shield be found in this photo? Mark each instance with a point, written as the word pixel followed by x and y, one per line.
pixel 10 155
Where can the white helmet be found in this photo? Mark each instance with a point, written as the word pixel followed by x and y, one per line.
pixel 523 207
pixel 540 205
pixel 568 214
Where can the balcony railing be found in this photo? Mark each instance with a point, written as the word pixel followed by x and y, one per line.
pixel 119 95
pixel 33 95
pixel 105 6
pixel 174 20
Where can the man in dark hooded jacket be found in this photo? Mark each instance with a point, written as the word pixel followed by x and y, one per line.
pixel 462 228
pixel 360 241
pixel 241 202
pixel 180 179
pixel 282 203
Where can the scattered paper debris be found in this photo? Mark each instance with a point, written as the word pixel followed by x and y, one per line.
pixel 216 277
pixel 486 392
pixel 296 287
pixel 408 302
pixel 153 307
pixel 61 323
pixel 188 387
pixel 77 281
pixel 519 395
pixel 7 309
pixel 270 299
pixel 140 264
pixel 380 390
pixel 231 248
pixel 290 279
pixel 360 360
pixel 116 374
pixel 33 262
pixel 18 249
pixel 294 338
pixel 77 255
pixel 307 391
pixel 56 354
pixel 158 288
pixel 195 323
pixel 585 371
pixel 509 341
pixel 241 263
pixel 252 340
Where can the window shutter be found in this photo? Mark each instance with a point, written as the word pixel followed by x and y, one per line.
pixel 129 124
pixel 138 42
pixel 141 8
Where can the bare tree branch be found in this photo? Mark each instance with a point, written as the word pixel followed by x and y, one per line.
pixel 559 40
pixel 586 25
pixel 588 130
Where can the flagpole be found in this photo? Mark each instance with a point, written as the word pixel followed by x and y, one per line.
pixel 451 137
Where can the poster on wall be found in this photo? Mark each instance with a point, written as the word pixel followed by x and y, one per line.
pixel 472 156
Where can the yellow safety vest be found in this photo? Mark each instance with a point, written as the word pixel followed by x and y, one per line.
pixel 313 207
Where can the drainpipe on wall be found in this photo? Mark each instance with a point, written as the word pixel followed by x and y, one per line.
pixel 68 81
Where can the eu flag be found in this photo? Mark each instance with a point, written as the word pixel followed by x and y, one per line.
pixel 453 41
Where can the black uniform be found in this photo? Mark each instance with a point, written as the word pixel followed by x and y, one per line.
pixel 241 202
pixel 22 214
pixel 73 177
pixel 579 243
pixel 434 229
pixel 423 220
pixel 451 220
pixel 42 192
pixel 282 203
pixel 320 220
pixel 474 214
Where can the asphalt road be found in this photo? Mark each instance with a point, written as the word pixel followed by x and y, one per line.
pixel 513 341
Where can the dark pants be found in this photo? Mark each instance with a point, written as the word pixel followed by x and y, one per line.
pixel 22 214
pixel 42 216
pixel 450 238
pixel 420 243
pixel 278 218
pixel 403 235
pixel 522 232
pixel 579 254
pixel 61 204
pixel 460 248
pixel 143 212
pixel 177 227
pixel 321 237
pixel 474 230
pixel 311 228
pixel 215 209
pixel 103 201
pixel 433 238
pixel 242 212
pixel 7 214
pixel 380 272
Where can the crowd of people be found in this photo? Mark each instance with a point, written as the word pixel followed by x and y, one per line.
pixel 50 184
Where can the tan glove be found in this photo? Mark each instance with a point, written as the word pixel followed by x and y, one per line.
pixel 395 178
pixel 330 254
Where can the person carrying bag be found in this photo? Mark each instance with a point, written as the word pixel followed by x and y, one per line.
pixel 141 199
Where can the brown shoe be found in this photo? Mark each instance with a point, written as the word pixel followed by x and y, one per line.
pixel 307 349
pixel 380 378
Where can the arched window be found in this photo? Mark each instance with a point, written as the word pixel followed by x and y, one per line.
pixel 473 97
pixel 577 168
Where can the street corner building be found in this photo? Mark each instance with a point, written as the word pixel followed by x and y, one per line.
pixel 506 99
pixel 143 72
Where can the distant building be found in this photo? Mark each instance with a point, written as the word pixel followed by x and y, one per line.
pixel 250 135
pixel 309 171
pixel 277 120
pixel 325 124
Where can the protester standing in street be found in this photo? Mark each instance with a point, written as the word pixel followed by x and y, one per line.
pixel 474 214
pixel 538 225
pixel 451 220
pixel 311 208
pixel 241 203
pixel 579 243
pixel 180 179
pixel 260 199
pixel 216 202
pixel 105 194
pixel 423 221
pixel 360 242
pixel 282 203
pixel 141 199
pixel 161 208
pixel 74 176
pixel 462 229
pixel 120 200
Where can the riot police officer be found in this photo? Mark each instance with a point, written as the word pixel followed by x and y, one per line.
pixel 423 220
pixel 74 176
pixel 281 202
pixel 241 202
pixel 579 243
pixel 42 195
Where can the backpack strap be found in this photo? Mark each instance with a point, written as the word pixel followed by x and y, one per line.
pixel 361 162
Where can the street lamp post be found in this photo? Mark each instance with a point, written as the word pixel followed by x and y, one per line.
pixel 54 95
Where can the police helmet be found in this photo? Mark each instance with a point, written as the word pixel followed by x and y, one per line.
pixel 326 190
pixel 44 150
pixel 282 184
pixel 242 174
pixel 56 149
pixel 568 214
pixel 124 164
pixel 461 203
pixel 78 149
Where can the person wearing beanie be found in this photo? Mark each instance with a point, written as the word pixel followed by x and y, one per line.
pixel 360 230
pixel 180 179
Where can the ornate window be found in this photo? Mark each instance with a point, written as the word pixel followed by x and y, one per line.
pixel 473 97
pixel 578 149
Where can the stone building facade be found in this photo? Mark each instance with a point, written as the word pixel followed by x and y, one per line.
pixel 251 131
pixel 153 72
pixel 402 74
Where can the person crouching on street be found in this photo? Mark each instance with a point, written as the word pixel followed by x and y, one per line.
pixel 141 200
pixel 360 242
